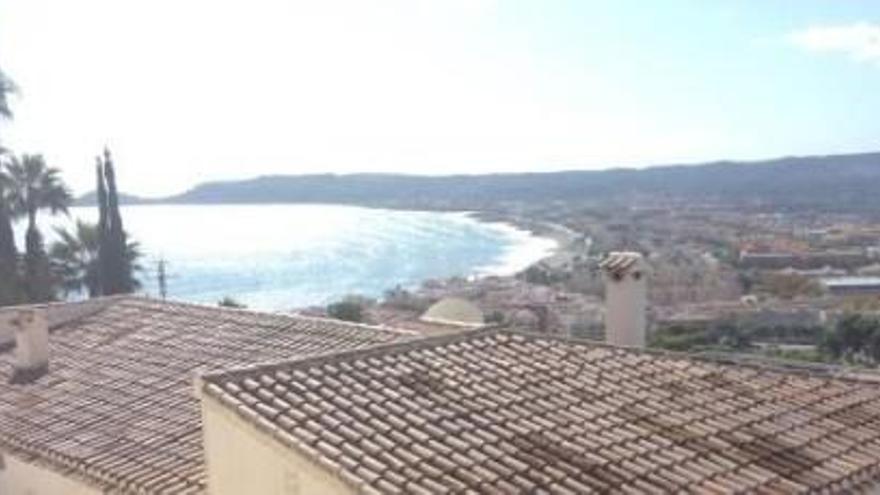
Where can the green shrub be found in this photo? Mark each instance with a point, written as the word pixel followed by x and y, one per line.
pixel 348 310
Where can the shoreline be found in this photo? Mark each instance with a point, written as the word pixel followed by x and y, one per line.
pixel 522 243
pixel 491 288
pixel 524 249
pixel 562 236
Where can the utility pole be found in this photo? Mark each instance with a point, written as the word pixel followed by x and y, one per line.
pixel 162 278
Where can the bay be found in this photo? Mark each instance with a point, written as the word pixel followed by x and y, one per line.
pixel 281 257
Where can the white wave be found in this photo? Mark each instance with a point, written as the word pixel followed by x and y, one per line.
pixel 524 250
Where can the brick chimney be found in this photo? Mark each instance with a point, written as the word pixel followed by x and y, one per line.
pixel 626 296
pixel 31 343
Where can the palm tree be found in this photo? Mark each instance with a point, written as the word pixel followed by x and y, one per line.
pixel 75 260
pixel 7 239
pixel 8 255
pixel 7 87
pixel 35 187
pixel 9 284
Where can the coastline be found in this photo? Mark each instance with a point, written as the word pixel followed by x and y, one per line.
pixel 524 249
pixel 521 243
pixel 534 244
pixel 562 237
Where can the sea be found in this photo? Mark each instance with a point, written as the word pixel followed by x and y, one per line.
pixel 283 257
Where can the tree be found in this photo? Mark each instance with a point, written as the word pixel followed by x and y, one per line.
pixel 718 335
pixel 35 187
pixel 9 283
pixel 682 337
pixel 400 298
pixel 856 338
pixel 7 87
pixel 348 309
pixel 76 261
pixel 115 271
pixel 731 334
pixel 103 268
pixel 230 302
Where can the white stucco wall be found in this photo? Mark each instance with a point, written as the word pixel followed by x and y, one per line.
pixel 18 477
pixel 243 459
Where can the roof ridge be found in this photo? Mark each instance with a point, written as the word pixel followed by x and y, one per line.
pixel 779 365
pixel 384 328
pixel 336 356
pixel 60 304
pixel 815 370
pixel 258 312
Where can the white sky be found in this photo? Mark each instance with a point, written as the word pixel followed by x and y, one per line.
pixel 196 90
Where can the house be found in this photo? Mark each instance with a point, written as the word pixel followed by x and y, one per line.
pixel 500 412
pixel 114 411
pixel 847 286
pixel 146 396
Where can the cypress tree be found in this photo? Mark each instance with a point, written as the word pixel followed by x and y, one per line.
pixel 103 248
pixel 117 268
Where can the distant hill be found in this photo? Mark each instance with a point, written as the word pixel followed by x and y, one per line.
pixel 90 199
pixel 839 182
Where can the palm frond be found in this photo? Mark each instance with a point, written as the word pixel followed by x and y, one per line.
pixel 36 186
pixel 7 87
pixel 75 259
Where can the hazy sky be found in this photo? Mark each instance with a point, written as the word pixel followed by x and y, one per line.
pixel 191 90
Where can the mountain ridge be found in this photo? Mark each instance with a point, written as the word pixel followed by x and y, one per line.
pixel 833 180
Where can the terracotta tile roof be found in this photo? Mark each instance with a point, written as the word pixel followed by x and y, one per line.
pixel 117 406
pixel 499 412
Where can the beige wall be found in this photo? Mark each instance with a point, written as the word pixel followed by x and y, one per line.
pixel 244 459
pixel 22 478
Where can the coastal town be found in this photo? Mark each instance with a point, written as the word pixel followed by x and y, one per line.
pixel 778 277
pixel 287 247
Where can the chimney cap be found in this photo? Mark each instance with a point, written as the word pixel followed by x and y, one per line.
pixel 619 262
pixel 24 317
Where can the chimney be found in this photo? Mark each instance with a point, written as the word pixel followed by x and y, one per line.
pixel 31 343
pixel 626 295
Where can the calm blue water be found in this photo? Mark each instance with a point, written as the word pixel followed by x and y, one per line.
pixel 279 257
